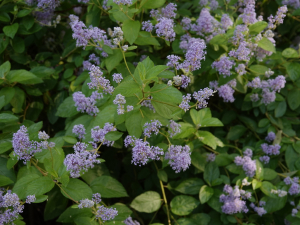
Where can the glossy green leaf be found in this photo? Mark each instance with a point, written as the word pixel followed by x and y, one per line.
pixel 148 202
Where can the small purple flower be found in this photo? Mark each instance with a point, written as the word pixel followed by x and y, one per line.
pixel 179 157
pixel 96 198
pixel 268 96
pixel 185 102
pixel 30 199
pixel 226 92
pixel 254 97
pixel 210 157
pixel 248 152
pixel 270 137
pixel 186 23
pixel 265 159
pixel 226 22
pixel 169 11
pixel 98 134
pixel 87 104
pixel 86 203
pixel 223 66
pixel 201 96
pixel 123 2
pixel 147 26
pixel 79 130
pixel 117 77
pixel 164 28
pixel 130 221
pixel 249 165
pixel 106 213
pixel 174 128
pixel 232 202
pixel 152 127
pixel 240 69
pixel 173 61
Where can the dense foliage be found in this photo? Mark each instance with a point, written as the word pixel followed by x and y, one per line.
pixel 149 112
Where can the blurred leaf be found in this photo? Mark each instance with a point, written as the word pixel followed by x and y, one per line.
pixel 148 202
pixel 183 205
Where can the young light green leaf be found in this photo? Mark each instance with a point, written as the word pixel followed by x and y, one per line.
pixel 183 205
pixel 148 202
pixel 205 193
pixel 131 30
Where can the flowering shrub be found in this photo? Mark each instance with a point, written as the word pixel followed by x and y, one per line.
pixel 149 112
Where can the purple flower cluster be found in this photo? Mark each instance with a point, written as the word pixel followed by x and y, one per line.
pixel 259 210
pixel 130 221
pixel 174 128
pixel 86 203
pixel 79 131
pixel 123 2
pixel 106 213
pixel 98 81
pixel 117 77
pixel 270 137
pixel 147 26
pixel 295 187
pixel 185 102
pixel 169 11
pixel 226 22
pixel 226 92
pixel 278 19
pixel 182 81
pixel 179 157
pixel 249 165
pixel 265 159
pixel 271 149
pixel 152 127
pixel 92 58
pixel 142 152
pixel 223 66
pixel 293 3
pixel 87 104
pixel 147 103
pixel 85 35
pixel 81 160
pixel 98 134
pixel 25 149
pixel 201 96
pixel 207 26
pixel 164 28
pixel 11 207
pixel 186 23
pixel 233 200
pixel 210 157
pixel 240 69
pixel 249 14
pixel 173 61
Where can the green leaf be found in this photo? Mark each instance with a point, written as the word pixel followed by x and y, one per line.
pixel 67 108
pixel 148 40
pixel 198 160
pixel 4 17
pixel 269 174
pixel 108 187
pixel 164 109
pixel 257 27
pixel 18 44
pixel 236 132
pixel 266 188
pixel 266 44
pixel 152 4
pixel 23 77
pixel 293 70
pixel 256 184
pixel 201 218
pixel 113 60
pixel 32 184
pixel 77 190
pixel 183 205
pixel 11 30
pixel 259 170
pixel 280 109
pixel 123 211
pixel 4 69
pixel 291 157
pixel 162 175
pixel 190 186
pixel 18 100
pixel 290 53
pixel 292 98
pixel 154 71
pixel 5 146
pixel 4 42
pixel 113 135
pixel 224 159
pixel 148 202
pixel 211 122
pixel 5 181
pixel 41 198
pixel 263 122
pixel 219 39
pixel 258 69
pixel 6 118
pixel 207 138
pixel 211 172
pixel 127 88
pixel 70 139
pixel 165 93
pixel 274 204
pixel 133 123
pixel 71 214
pixel 205 193
pixel 131 30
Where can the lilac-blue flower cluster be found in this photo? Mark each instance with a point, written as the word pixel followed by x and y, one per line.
pixel 249 165
pixel 98 134
pixel 81 160
pixel 79 131
pixel 87 104
pixel 130 221
pixel 173 128
pixel 152 127
pixel 98 81
pixel 295 187
pixel 179 157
